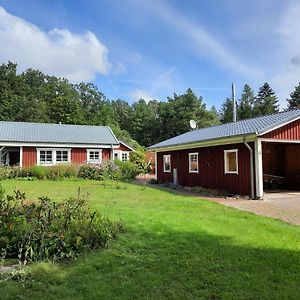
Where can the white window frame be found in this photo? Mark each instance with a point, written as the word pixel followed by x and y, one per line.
pixel 226 163
pixel 164 159
pixel 125 152
pixel 53 162
pixel 89 161
pixel 190 165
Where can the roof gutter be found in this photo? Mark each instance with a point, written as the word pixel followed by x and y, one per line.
pixel 206 143
pixel 251 168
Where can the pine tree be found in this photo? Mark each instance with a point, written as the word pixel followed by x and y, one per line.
pixel 226 112
pixel 245 105
pixel 294 101
pixel 266 101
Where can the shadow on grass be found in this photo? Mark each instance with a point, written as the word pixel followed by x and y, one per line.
pixel 168 265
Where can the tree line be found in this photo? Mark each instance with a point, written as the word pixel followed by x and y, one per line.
pixel 33 96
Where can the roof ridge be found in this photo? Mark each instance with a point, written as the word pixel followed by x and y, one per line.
pixel 248 119
pixel 53 124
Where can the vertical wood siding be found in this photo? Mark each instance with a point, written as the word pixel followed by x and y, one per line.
pixel 29 156
pixel 78 155
pixel 211 169
pixel 292 166
pixel 106 154
pixel 288 132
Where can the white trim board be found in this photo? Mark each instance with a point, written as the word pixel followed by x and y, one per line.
pixel 279 126
pixel 217 142
pixel 48 145
pixel 280 141
pixel 258 169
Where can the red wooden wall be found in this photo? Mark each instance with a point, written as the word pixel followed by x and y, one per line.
pixel 29 156
pixel 292 166
pixel 106 154
pixel 211 169
pixel 78 155
pixel 290 131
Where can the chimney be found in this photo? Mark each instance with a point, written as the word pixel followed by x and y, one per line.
pixel 234 103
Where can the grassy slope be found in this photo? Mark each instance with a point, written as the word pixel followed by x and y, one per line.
pixel 175 247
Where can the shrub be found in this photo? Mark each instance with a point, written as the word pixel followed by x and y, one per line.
pixel 138 159
pixel 128 169
pixel 40 172
pixel 62 171
pixel 105 170
pixel 46 229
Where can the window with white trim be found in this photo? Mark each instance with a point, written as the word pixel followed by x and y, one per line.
pixel 231 161
pixel 125 156
pixel 53 156
pixel 193 163
pixel 94 156
pixel 167 163
pixel 46 157
pixel 62 156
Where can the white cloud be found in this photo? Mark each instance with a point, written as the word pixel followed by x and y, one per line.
pixel 138 94
pixel 59 52
pixel 160 82
pixel 288 74
pixel 118 69
pixel 200 40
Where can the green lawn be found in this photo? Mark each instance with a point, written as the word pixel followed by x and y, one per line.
pixel 175 247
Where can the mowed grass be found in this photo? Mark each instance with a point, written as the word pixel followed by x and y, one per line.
pixel 174 247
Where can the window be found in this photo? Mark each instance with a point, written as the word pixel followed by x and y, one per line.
pixel 167 163
pixel 193 163
pixel 94 156
pixel 62 156
pixel 53 156
pixel 125 156
pixel 45 157
pixel 231 161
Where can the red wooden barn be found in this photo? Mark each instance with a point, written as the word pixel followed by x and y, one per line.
pixel 236 157
pixel 28 144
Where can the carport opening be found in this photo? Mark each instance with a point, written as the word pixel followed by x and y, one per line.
pixel 281 166
pixel 10 156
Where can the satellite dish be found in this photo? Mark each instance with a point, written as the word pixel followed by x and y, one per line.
pixel 193 124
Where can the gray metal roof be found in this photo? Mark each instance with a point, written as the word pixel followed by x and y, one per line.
pixel 56 133
pixel 256 126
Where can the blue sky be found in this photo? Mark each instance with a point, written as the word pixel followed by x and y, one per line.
pixel 151 49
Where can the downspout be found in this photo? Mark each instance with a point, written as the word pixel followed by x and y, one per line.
pixel 111 152
pixel 1 155
pixel 251 168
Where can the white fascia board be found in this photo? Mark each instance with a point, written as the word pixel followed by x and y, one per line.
pixel 50 145
pixel 217 142
pixel 280 141
pixel 127 146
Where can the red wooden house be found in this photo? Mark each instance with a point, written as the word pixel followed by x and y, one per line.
pixel 234 157
pixel 28 144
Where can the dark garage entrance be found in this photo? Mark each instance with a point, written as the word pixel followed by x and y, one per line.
pixel 281 164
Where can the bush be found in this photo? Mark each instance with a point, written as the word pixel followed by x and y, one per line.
pixel 45 229
pixel 128 169
pixel 113 170
pixel 105 170
pixel 40 172
pixel 138 159
pixel 62 171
